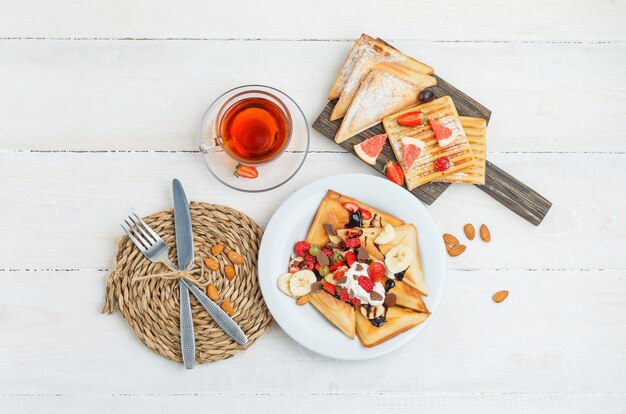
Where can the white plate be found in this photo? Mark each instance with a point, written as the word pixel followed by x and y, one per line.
pixel 290 224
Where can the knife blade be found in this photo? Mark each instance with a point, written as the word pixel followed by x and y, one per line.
pixel 184 248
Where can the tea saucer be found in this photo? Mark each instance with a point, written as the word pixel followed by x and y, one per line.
pixel 272 174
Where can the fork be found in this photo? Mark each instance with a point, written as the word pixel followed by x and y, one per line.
pixel 147 241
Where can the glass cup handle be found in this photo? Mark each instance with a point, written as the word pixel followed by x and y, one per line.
pixel 210 146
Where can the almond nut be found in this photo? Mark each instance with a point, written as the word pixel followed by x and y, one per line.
pixel 469 230
pixel 211 263
pixel 229 271
pixel 485 234
pixel 234 257
pixel 217 249
pixel 450 239
pixel 456 250
pixel 303 300
pixel 227 307
pixel 212 292
pixel 500 296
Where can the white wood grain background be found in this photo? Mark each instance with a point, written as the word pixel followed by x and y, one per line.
pixel 99 103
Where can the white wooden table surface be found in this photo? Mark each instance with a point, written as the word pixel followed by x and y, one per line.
pixel 99 104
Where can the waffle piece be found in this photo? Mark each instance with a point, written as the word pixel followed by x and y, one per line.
pixel 423 169
pixel 337 312
pixel 362 44
pixel 408 297
pixel 383 92
pixel 399 320
pixel 476 132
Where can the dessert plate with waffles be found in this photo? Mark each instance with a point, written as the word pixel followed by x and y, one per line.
pixel 352 266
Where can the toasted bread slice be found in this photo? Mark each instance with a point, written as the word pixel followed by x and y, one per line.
pixel 371 60
pixel 337 312
pixel 332 212
pixel 399 320
pixel 423 169
pixel 408 297
pixel 476 132
pixel 406 234
pixel 367 43
pixel 383 92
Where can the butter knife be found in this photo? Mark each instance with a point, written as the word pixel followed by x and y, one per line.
pixel 184 248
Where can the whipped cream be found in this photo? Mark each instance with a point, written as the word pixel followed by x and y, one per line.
pixel 355 290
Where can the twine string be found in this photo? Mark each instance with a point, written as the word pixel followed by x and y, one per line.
pixel 175 274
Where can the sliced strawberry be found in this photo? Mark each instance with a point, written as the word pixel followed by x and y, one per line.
pixel 412 148
pixel 412 119
pixel 376 271
pixel 339 273
pixel 350 258
pixel 350 206
pixel 330 288
pixel 336 266
pixel 344 296
pixel 394 172
pixel 246 171
pixel 370 149
pixel 366 214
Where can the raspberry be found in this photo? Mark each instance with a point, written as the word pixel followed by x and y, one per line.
pixel 301 248
pixel 308 259
pixel 344 296
pixel 353 242
pixel 330 288
pixel 336 266
pixel 376 271
pixel 327 251
pixel 443 163
pixel 350 258
pixel 366 214
pixel 366 283
pixel 355 301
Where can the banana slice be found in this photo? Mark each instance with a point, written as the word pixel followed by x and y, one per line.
pixel 374 312
pixel 398 259
pixel 386 235
pixel 300 283
pixel 283 284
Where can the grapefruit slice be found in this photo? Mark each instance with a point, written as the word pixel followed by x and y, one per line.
pixel 369 149
pixel 442 133
pixel 412 148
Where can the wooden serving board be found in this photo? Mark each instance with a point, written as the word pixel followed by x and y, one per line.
pixel 509 191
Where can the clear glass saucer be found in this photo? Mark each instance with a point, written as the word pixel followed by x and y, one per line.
pixel 272 174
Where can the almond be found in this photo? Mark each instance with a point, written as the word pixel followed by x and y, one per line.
pixel 303 300
pixel 456 250
pixel 450 239
pixel 212 292
pixel 229 271
pixel 227 307
pixel 469 230
pixel 234 257
pixel 211 263
pixel 500 296
pixel 485 234
pixel 217 249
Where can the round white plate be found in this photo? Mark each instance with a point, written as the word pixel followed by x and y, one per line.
pixel 290 223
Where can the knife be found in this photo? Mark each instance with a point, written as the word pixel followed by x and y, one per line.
pixel 184 248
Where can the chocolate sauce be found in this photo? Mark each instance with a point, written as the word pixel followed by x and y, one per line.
pixel 373 221
pixel 378 322
pixel 389 284
pixel 400 275
pixel 356 220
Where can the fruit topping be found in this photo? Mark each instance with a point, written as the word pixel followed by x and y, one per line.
pixel 350 258
pixel 294 268
pixel 413 119
pixel 376 271
pixel 300 282
pixel 370 149
pixel 337 257
pixel 386 235
pixel 426 96
pixel 339 273
pixel 442 133
pixel 399 258
pixel 352 242
pixel 366 214
pixel 394 172
pixel 366 283
pixel 350 206
pixel 246 171
pixel 327 251
pixel 443 163
pixel 332 234
pixel 314 250
pixel 344 296
pixel 412 149
pixel 355 301
pixel 337 265
pixel 301 248
pixel 330 288
pixel 283 284
pixel 324 270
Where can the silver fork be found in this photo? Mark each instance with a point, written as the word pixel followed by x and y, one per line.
pixel 146 240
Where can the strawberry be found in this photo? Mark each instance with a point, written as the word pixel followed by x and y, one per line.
pixel 352 242
pixel 366 214
pixel 376 271
pixel 246 171
pixel 344 296
pixel 350 206
pixel 308 259
pixel 330 288
pixel 339 273
pixel 327 251
pixel 443 163
pixel 355 301
pixel 350 258
pixel 366 283
pixel 336 266
pixel 394 172
pixel 412 119
pixel 441 132
pixel 301 248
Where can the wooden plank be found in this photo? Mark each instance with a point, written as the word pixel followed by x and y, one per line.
pixel 150 95
pixel 554 325
pixel 55 203
pixel 482 20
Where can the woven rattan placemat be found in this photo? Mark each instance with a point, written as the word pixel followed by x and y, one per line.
pixel 151 306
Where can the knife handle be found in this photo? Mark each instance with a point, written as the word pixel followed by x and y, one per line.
pixel 220 317
pixel 187 339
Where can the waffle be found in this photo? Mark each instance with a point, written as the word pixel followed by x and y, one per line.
pixel 399 320
pixel 337 312
pixel 364 43
pixel 476 132
pixel 423 169
pixel 408 297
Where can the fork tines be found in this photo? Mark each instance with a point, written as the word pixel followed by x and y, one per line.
pixel 139 232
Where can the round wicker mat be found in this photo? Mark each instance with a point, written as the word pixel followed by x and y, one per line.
pixel 151 306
